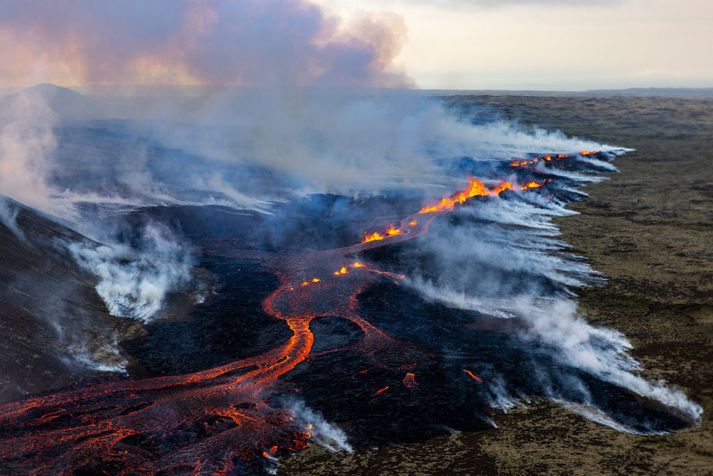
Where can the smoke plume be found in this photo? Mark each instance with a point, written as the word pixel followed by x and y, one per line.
pixel 134 280
pixel 27 144
pixel 323 433
pixel 235 42
pixel 502 258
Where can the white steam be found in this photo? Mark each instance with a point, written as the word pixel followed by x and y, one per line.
pixel 27 145
pixel 598 351
pixel 8 217
pixel 323 433
pixel 134 282
pixel 502 259
pixel 98 355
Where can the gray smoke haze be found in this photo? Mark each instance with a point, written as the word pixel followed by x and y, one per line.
pixel 27 144
pixel 352 143
pixel 241 149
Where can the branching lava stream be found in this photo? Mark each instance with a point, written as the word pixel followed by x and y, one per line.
pixel 218 420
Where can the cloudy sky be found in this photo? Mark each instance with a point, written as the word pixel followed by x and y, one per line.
pixel 553 44
pixel 441 44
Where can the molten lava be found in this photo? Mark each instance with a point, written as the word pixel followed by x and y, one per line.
pixel 381 390
pixel 476 188
pixel 531 184
pixel 472 375
pixel 409 380
pixel 392 231
pixel 369 237
pixel 536 160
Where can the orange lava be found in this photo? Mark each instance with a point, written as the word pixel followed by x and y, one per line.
pixel 369 237
pixel 530 185
pixel 535 160
pixel 381 390
pixel 392 231
pixel 476 188
pixel 409 380
pixel 472 375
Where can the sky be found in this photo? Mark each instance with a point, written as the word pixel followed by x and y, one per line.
pixel 551 44
pixel 430 44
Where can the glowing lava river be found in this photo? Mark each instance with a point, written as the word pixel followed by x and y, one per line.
pixel 230 419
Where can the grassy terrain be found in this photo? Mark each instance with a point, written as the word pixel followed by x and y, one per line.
pixel 649 230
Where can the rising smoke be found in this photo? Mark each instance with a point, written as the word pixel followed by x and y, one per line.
pixel 502 258
pixel 27 144
pixel 134 280
pixel 325 434
pixel 8 217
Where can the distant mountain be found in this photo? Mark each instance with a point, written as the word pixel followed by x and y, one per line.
pixel 664 92
pixel 65 102
pixel 633 92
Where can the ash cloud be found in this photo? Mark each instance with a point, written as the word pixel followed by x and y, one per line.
pixel 236 42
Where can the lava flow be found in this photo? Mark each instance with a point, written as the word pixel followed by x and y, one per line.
pixel 220 420
pixel 476 189
pixel 548 158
